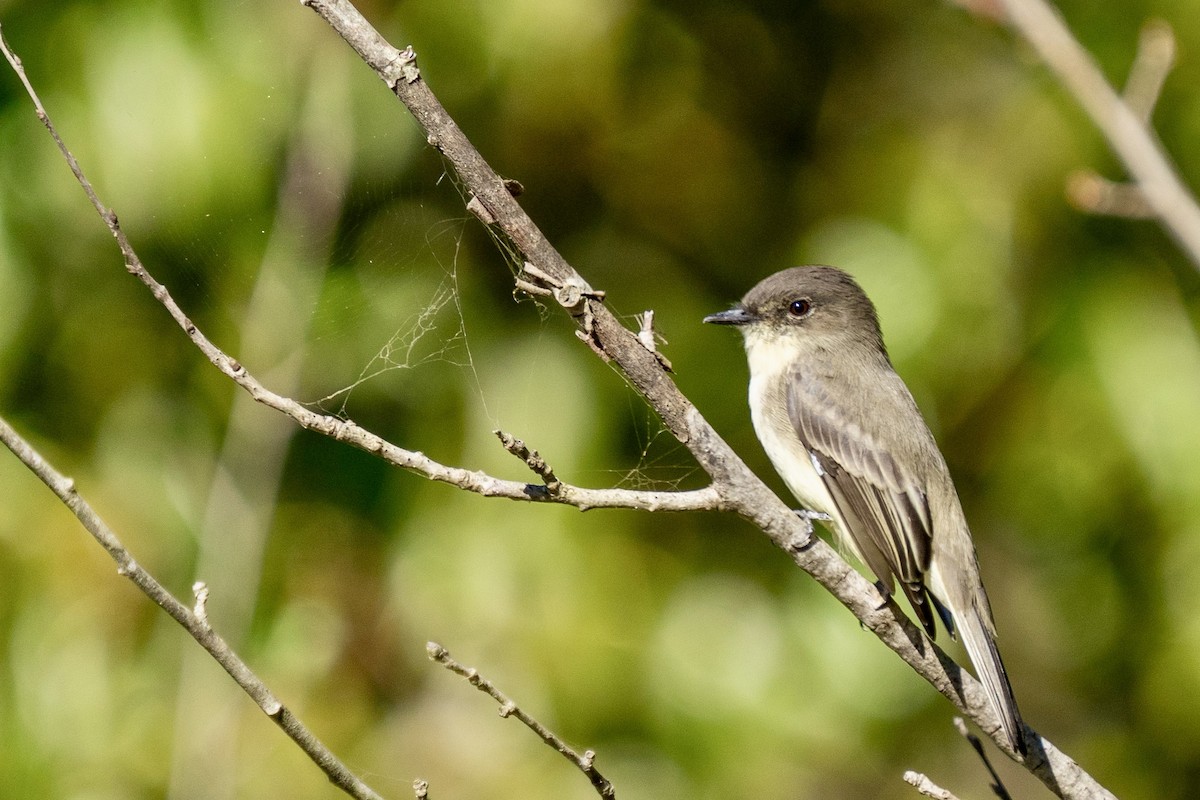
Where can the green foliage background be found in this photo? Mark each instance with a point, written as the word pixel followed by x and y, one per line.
pixel 676 153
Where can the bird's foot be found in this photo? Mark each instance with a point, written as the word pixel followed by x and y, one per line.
pixel 884 594
pixel 803 542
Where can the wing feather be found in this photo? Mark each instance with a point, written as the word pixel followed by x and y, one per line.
pixel 883 505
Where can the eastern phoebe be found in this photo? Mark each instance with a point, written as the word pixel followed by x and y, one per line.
pixel 844 432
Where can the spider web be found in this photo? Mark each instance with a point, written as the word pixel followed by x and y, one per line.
pixel 436 333
pixel 663 464
pixel 402 261
pixel 396 257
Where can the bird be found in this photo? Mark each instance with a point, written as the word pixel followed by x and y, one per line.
pixel 843 431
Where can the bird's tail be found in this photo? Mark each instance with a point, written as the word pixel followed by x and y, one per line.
pixel 979 639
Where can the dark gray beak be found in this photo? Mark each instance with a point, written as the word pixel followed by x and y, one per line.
pixel 734 316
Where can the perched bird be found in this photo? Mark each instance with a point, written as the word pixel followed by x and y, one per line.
pixel 843 431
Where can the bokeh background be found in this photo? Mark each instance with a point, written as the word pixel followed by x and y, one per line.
pixel 676 153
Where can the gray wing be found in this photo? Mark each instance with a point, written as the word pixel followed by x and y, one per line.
pixel 882 502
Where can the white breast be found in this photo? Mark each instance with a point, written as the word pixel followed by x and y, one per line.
pixel 792 461
pixel 768 412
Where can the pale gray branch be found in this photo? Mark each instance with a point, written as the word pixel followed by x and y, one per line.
pixel 1087 189
pixel 194 622
pixel 927 787
pixel 1123 126
pixel 344 430
pixel 1151 66
pixel 1091 192
pixel 585 761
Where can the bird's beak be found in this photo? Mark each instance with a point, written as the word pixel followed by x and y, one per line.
pixel 734 316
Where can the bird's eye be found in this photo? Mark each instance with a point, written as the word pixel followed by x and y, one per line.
pixel 800 308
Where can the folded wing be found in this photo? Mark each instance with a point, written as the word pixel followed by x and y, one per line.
pixel 882 502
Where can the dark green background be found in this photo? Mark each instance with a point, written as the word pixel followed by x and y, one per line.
pixel 676 153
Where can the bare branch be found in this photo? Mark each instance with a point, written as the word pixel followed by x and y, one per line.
pixel 927 787
pixel 930 789
pixel 200 610
pixel 738 488
pixel 195 623
pixel 997 785
pixel 1087 190
pixel 532 459
pixel 346 430
pixel 585 761
pixel 1122 124
pixel 1092 193
pixel 1151 66
pixel 734 487
pixel 650 337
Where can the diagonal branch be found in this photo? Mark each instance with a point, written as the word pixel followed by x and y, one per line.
pixel 345 430
pixel 740 490
pixel 925 786
pixel 734 487
pixel 1087 189
pixel 194 621
pixel 1124 127
pixel 997 786
pixel 585 762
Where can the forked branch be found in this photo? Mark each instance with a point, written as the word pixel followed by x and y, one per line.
pixel 734 487
pixel 739 489
pixel 1122 120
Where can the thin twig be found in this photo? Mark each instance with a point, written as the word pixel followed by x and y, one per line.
pixel 650 337
pixel 1092 193
pixel 585 761
pixel 195 623
pixel 927 787
pixel 1151 65
pixel 930 789
pixel 997 785
pixel 532 459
